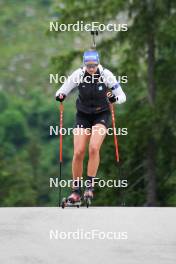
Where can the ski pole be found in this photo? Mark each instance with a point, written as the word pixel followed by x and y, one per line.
pixel 109 94
pixel 61 109
pixel 93 33
pixel 114 128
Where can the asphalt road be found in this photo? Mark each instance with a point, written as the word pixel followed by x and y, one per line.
pixel 50 235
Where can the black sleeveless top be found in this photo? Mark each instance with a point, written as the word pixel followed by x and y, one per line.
pixel 92 94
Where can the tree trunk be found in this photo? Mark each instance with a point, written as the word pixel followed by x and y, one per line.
pixel 151 199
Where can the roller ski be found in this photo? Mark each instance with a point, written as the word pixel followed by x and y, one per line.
pixel 88 196
pixel 74 200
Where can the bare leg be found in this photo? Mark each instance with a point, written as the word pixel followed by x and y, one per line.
pixel 96 141
pixel 80 142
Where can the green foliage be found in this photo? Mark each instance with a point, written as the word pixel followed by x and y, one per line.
pixel 15 130
pixel 28 154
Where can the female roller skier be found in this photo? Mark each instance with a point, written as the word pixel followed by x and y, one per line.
pixel 93 114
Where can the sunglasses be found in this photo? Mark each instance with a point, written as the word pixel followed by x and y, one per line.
pixel 92 66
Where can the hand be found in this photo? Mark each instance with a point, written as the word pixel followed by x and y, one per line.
pixel 60 97
pixel 111 97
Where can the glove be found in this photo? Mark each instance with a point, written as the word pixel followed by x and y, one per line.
pixel 111 97
pixel 60 97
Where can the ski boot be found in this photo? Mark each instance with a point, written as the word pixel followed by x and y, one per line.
pixel 88 196
pixel 74 199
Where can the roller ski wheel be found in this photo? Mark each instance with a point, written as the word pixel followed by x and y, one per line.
pixel 64 203
pixel 88 196
pixel 73 204
pixel 87 201
pixel 74 200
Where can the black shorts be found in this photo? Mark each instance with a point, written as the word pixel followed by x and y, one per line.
pixel 88 120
